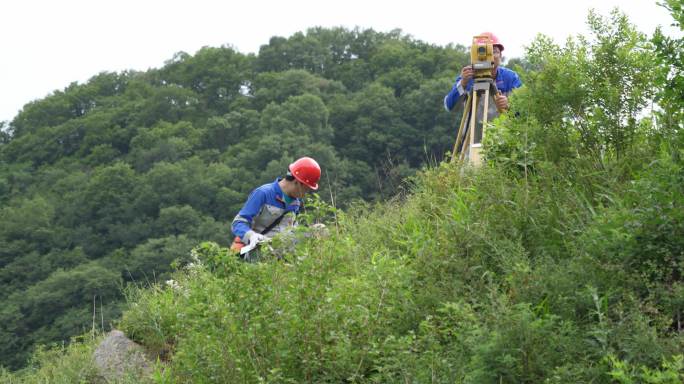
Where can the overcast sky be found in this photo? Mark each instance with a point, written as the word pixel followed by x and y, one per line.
pixel 47 44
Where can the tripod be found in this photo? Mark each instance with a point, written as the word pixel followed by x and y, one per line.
pixel 475 116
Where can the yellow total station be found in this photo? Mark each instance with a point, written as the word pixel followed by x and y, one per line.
pixel 482 56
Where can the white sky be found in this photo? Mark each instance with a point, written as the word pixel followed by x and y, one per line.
pixel 47 44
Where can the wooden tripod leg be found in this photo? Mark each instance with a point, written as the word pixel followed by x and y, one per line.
pixel 485 110
pixel 460 128
pixel 472 123
pixel 476 147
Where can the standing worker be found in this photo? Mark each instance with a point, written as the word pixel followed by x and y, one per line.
pixel 506 80
pixel 272 208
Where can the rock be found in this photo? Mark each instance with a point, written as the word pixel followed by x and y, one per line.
pixel 117 357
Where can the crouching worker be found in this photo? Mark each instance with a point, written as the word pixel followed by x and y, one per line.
pixel 272 208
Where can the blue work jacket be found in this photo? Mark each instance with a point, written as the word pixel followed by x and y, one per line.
pixel 506 81
pixel 264 205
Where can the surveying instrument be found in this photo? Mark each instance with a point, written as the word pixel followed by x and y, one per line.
pixel 477 107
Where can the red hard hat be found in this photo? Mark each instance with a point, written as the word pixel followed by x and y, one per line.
pixel 307 171
pixel 494 39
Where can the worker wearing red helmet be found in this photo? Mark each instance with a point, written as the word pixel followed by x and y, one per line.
pixel 506 80
pixel 272 208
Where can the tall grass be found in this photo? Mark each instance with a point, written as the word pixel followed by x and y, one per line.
pixel 476 276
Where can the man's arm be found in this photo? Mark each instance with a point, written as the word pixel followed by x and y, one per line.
pixel 452 97
pixel 460 89
pixel 243 220
pixel 512 81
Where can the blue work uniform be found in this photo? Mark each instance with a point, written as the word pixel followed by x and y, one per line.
pixel 264 205
pixel 506 81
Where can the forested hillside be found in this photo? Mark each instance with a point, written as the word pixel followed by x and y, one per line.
pixel 106 183
pixel 558 261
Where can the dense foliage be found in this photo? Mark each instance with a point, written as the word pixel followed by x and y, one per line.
pixel 560 261
pixel 106 183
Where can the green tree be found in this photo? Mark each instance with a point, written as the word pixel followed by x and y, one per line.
pixel 670 72
pixel 163 142
pixel 177 220
pixel 586 97
pixel 230 129
pixel 150 262
pixel 619 78
pixel 215 74
pixel 304 116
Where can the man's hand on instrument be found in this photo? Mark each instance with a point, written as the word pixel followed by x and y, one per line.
pixel 466 74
